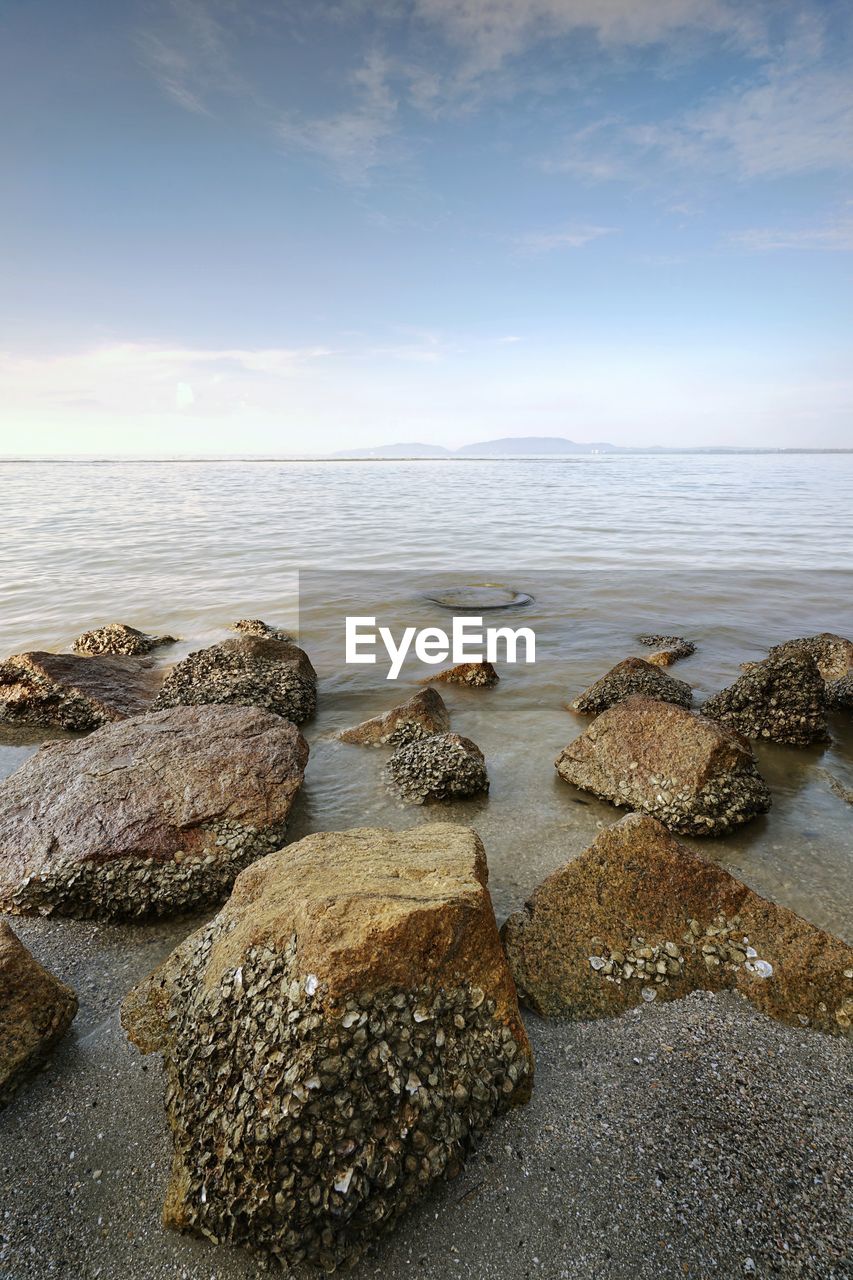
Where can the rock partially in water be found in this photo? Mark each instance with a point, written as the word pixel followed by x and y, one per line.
pixel 640 917
pixel 419 717
pixel 442 767
pixel 73 692
pixel 782 699
pixel 476 675
pixel 151 816
pixel 634 675
pixel 119 638
pixel 257 627
pixel 36 1010
pixel 252 671
pixel 839 693
pixel 694 775
pixel 333 1041
pixel 671 649
pixel 833 654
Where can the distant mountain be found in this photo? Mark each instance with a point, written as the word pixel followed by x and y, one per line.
pixel 397 451
pixel 519 446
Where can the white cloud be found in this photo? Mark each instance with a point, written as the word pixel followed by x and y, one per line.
pixel 836 237
pixel 573 237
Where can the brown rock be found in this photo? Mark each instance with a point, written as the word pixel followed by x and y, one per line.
pixel 634 675
pixel 839 693
pixel 477 675
pixel 153 815
pixel 118 638
pixel 833 654
pixel 783 699
pixel 640 917
pixel 694 775
pixel 333 1040
pixel 36 1010
pixel 252 671
pixel 671 649
pixel 257 627
pixel 421 715
pixel 74 692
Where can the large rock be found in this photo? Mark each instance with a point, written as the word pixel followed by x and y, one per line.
pixel 833 654
pixel 419 717
pixel 153 815
pixel 442 767
pixel 696 776
pixel 634 675
pixel 333 1040
pixel 253 671
pixel 118 638
pixel 640 917
pixel 74 692
pixel 476 675
pixel 783 699
pixel 36 1009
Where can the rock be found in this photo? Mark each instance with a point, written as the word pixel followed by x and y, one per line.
pixel 256 627
pixel 420 716
pixel 833 654
pixel 782 698
pixel 36 1010
pixel 477 675
pixel 695 775
pixel 839 693
pixel 672 648
pixel 74 692
pixel 117 637
pixel 154 815
pixel 634 675
pixel 441 767
pixel 252 671
pixel 333 1041
pixel 640 917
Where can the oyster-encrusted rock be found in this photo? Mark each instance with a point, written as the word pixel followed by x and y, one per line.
pixel 839 693
pixel 418 717
pixel 36 1009
pixel 671 649
pixel 477 675
pixel 333 1040
pixel 118 638
pixel 257 627
pixel 783 699
pixel 74 692
pixel 252 671
pixel 154 815
pixel 695 775
pixel 639 916
pixel 634 675
pixel 442 767
pixel 833 654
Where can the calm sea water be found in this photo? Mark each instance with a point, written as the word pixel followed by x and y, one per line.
pixel 736 552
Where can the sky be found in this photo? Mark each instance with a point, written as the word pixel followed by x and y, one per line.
pixel 262 226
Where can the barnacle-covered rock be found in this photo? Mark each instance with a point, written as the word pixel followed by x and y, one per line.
pixel 782 698
pixel 257 627
pixel 36 1009
pixel 252 671
pixel 833 654
pixel 154 815
pixel 477 675
pixel 333 1041
pixel 639 917
pixel 73 692
pixel 694 775
pixel 839 693
pixel 670 649
pixel 118 637
pixel 418 717
pixel 444 766
pixel 634 675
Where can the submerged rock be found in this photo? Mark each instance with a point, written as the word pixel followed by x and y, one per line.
pixel 477 675
pixel 444 766
pixel 639 917
pixel 420 716
pixel 154 815
pixel 252 671
pixel 36 1010
pixel 117 637
pixel 257 627
pixel 333 1041
pixel 782 698
pixel 671 649
pixel 696 776
pixel 73 692
pixel 634 675
pixel 833 654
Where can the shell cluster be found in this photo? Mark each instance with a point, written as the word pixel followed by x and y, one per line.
pixel 635 675
pixel 672 648
pixel 259 674
pixel 715 809
pixel 782 699
pixel 46 701
pixel 442 766
pixel 118 638
pixel 257 627
pixel 640 961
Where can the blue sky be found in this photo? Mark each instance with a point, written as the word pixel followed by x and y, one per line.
pixel 251 225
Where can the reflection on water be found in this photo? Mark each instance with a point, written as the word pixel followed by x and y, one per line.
pixel 734 553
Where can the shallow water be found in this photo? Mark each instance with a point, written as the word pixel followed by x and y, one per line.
pixel 735 552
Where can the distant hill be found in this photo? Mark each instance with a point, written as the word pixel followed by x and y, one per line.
pixel 509 446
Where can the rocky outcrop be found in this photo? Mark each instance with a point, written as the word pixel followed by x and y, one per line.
pixel 442 767
pixel 839 693
pixel 257 627
pixel 833 654
pixel 670 649
pixel 639 917
pixel 118 638
pixel 420 716
pixel 154 815
pixel 73 692
pixel 333 1041
pixel 634 675
pixel 36 1010
pixel 476 675
pixel 696 776
pixel 252 671
pixel 783 699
